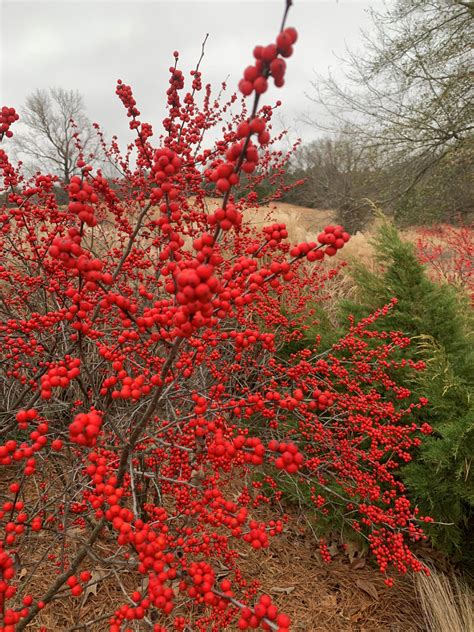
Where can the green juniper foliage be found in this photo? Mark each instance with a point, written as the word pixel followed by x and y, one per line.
pixel 439 321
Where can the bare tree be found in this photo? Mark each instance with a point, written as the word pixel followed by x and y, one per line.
pixel 409 93
pixel 53 119
pixel 339 175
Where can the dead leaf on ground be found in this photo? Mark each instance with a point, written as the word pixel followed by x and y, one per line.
pixel 329 601
pixel 368 587
pixel 357 563
pixel 354 550
pixel 283 589
pixel 333 549
pixel 16 561
pixel 93 585
pixel 357 617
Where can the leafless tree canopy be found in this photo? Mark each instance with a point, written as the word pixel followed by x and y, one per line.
pixel 53 118
pixel 399 125
pixel 339 175
pixel 410 91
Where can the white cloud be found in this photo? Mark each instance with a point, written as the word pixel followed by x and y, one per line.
pixel 89 44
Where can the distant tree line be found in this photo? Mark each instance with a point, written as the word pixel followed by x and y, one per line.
pixel 400 131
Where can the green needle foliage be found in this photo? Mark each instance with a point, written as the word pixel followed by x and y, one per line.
pixel 439 321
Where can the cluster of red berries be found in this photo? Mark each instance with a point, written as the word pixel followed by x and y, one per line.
pixel 79 309
pixel 177 83
pixel 10 617
pixel 7 571
pixel 199 583
pixel 257 537
pixel 23 417
pixel 197 285
pixel 225 218
pixel 220 447
pixel 59 376
pixel 132 387
pixel 225 512
pixel 13 452
pixel 197 79
pixel 263 613
pixel 225 174
pixel 131 613
pixel 259 531
pixel 324 552
pixel 42 184
pixel 250 159
pixel 275 233
pixel 75 584
pixel 322 399
pixel 268 62
pixel 14 526
pixel 85 428
pixel 253 449
pixel 82 195
pixel 291 458
pixel 333 237
pixel 204 247
pixel 68 250
pixel 7 117
pixel 166 165
pixel 122 302
pixel 310 250
pixel 10 178
pixel 255 126
pixel 125 95
pixel 160 595
pixel 194 287
pixel 122 519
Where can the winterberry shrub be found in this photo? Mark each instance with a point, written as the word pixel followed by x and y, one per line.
pixel 141 384
pixel 448 254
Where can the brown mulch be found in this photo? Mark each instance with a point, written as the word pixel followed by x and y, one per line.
pixel 340 596
pixel 345 595
pixel 348 594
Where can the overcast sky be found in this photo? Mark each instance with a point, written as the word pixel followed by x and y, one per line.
pixel 88 45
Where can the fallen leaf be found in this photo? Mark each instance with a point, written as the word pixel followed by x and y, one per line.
pixel 329 601
pixel 368 587
pixel 284 589
pixel 16 561
pixel 359 608
pixel 333 549
pixel 354 550
pixel 357 563
pixel 23 573
pixel 93 584
pixel 356 617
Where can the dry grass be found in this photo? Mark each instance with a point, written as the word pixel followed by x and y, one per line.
pixel 447 604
